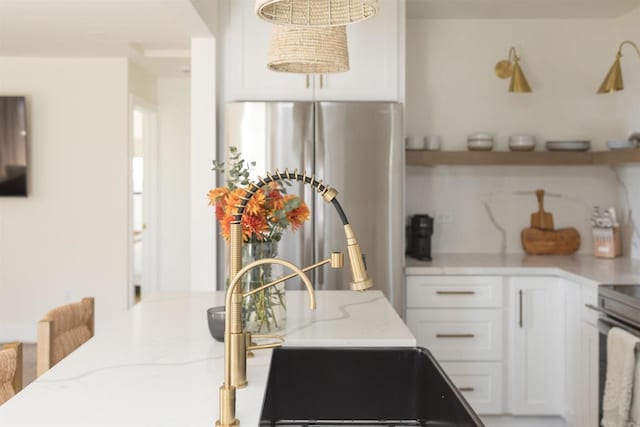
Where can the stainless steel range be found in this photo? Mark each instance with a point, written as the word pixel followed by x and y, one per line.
pixel 619 306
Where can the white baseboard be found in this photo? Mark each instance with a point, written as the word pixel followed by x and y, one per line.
pixel 22 333
pixel 510 421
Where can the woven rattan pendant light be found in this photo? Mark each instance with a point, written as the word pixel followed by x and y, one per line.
pixel 308 50
pixel 316 13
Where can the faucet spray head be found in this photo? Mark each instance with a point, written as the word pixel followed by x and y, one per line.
pixel 361 280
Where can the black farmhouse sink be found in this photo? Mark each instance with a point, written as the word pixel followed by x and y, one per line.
pixel 361 386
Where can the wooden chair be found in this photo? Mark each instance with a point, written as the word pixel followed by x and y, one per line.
pixel 62 330
pixel 10 370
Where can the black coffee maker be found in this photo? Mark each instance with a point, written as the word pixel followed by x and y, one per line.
pixel 419 239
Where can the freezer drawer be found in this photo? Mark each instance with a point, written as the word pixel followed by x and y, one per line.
pixel 450 334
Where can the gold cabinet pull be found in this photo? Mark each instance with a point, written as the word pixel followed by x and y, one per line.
pixel 455 335
pixel 466 389
pixel 455 292
pixel 307 81
pixel 321 81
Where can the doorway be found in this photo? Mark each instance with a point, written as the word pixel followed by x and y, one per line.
pixel 142 201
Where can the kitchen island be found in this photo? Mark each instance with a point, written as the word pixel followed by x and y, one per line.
pixel 157 365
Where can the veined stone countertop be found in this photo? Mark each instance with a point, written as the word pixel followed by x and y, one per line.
pixel 157 365
pixel 578 268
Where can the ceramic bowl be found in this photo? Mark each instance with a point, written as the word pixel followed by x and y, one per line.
pixel 620 144
pixel 415 143
pixel 522 142
pixel 215 320
pixel 480 136
pixel 480 145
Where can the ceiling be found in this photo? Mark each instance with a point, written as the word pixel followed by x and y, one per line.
pixel 518 9
pixel 152 33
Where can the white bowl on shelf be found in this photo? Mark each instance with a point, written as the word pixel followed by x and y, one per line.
pixel 620 144
pixel 480 145
pixel 480 141
pixel 522 142
pixel 415 142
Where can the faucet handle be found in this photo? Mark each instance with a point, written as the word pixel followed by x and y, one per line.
pixel 279 340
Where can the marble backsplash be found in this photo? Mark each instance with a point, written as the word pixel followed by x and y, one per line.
pixel 482 209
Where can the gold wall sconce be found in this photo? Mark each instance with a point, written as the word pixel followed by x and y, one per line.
pixel 613 80
pixel 510 68
pixel 316 13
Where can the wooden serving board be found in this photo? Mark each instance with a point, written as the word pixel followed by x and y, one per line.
pixel 564 241
pixel 541 219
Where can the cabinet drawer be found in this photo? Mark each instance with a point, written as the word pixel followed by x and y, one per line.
pixel 458 334
pixel 480 383
pixel 454 291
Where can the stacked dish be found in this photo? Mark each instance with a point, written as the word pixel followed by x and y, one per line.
pixel 522 142
pixel 480 142
pixel 568 145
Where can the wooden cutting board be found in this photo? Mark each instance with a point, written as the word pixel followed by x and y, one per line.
pixel 544 242
pixel 541 219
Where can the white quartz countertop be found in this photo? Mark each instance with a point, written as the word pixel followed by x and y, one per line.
pixel 580 268
pixel 157 365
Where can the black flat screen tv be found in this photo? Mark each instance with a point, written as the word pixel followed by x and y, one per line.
pixel 13 146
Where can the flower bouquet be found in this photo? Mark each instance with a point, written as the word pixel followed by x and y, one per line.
pixel 269 213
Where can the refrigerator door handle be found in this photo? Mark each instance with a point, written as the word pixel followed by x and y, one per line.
pixel 320 208
pixel 309 198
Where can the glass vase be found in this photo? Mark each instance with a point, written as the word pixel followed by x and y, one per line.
pixel 265 311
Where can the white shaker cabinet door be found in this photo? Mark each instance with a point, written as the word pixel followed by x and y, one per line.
pixel 247 43
pixel 589 388
pixel 536 349
pixel 374 57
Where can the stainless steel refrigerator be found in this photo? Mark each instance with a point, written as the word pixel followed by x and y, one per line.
pixel 356 148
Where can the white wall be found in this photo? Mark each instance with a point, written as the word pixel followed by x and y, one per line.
pixel 452 91
pixel 483 209
pixel 627 29
pixel 68 239
pixel 142 84
pixel 173 96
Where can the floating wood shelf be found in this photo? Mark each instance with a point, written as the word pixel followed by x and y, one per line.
pixel 541 158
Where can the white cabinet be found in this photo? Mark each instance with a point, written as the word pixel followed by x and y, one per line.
pixel 246 74
pixel 536 346
pixel 374 58
pixel 454 291
pixel 460 320
pixel 375 51
pixel 458 334
pixel 479 382
pixel 587 386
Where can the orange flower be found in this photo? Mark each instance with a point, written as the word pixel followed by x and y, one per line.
pixel 225 227
pixel 217 193
pixel 276 200
pixel 267 214
pixel 219 210
pixel 298 216
pixel 255 206
pixel 254 225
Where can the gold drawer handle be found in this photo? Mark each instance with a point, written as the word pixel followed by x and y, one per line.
pixel 455 335
pixel 455 292
pixel 467 389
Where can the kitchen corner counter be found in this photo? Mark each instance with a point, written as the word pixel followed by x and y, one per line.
pixel 579 268
pixel 157 365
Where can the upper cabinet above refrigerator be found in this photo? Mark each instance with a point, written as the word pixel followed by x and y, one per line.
pixel 376 51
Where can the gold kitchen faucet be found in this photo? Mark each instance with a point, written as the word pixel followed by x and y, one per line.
pixel 236 341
